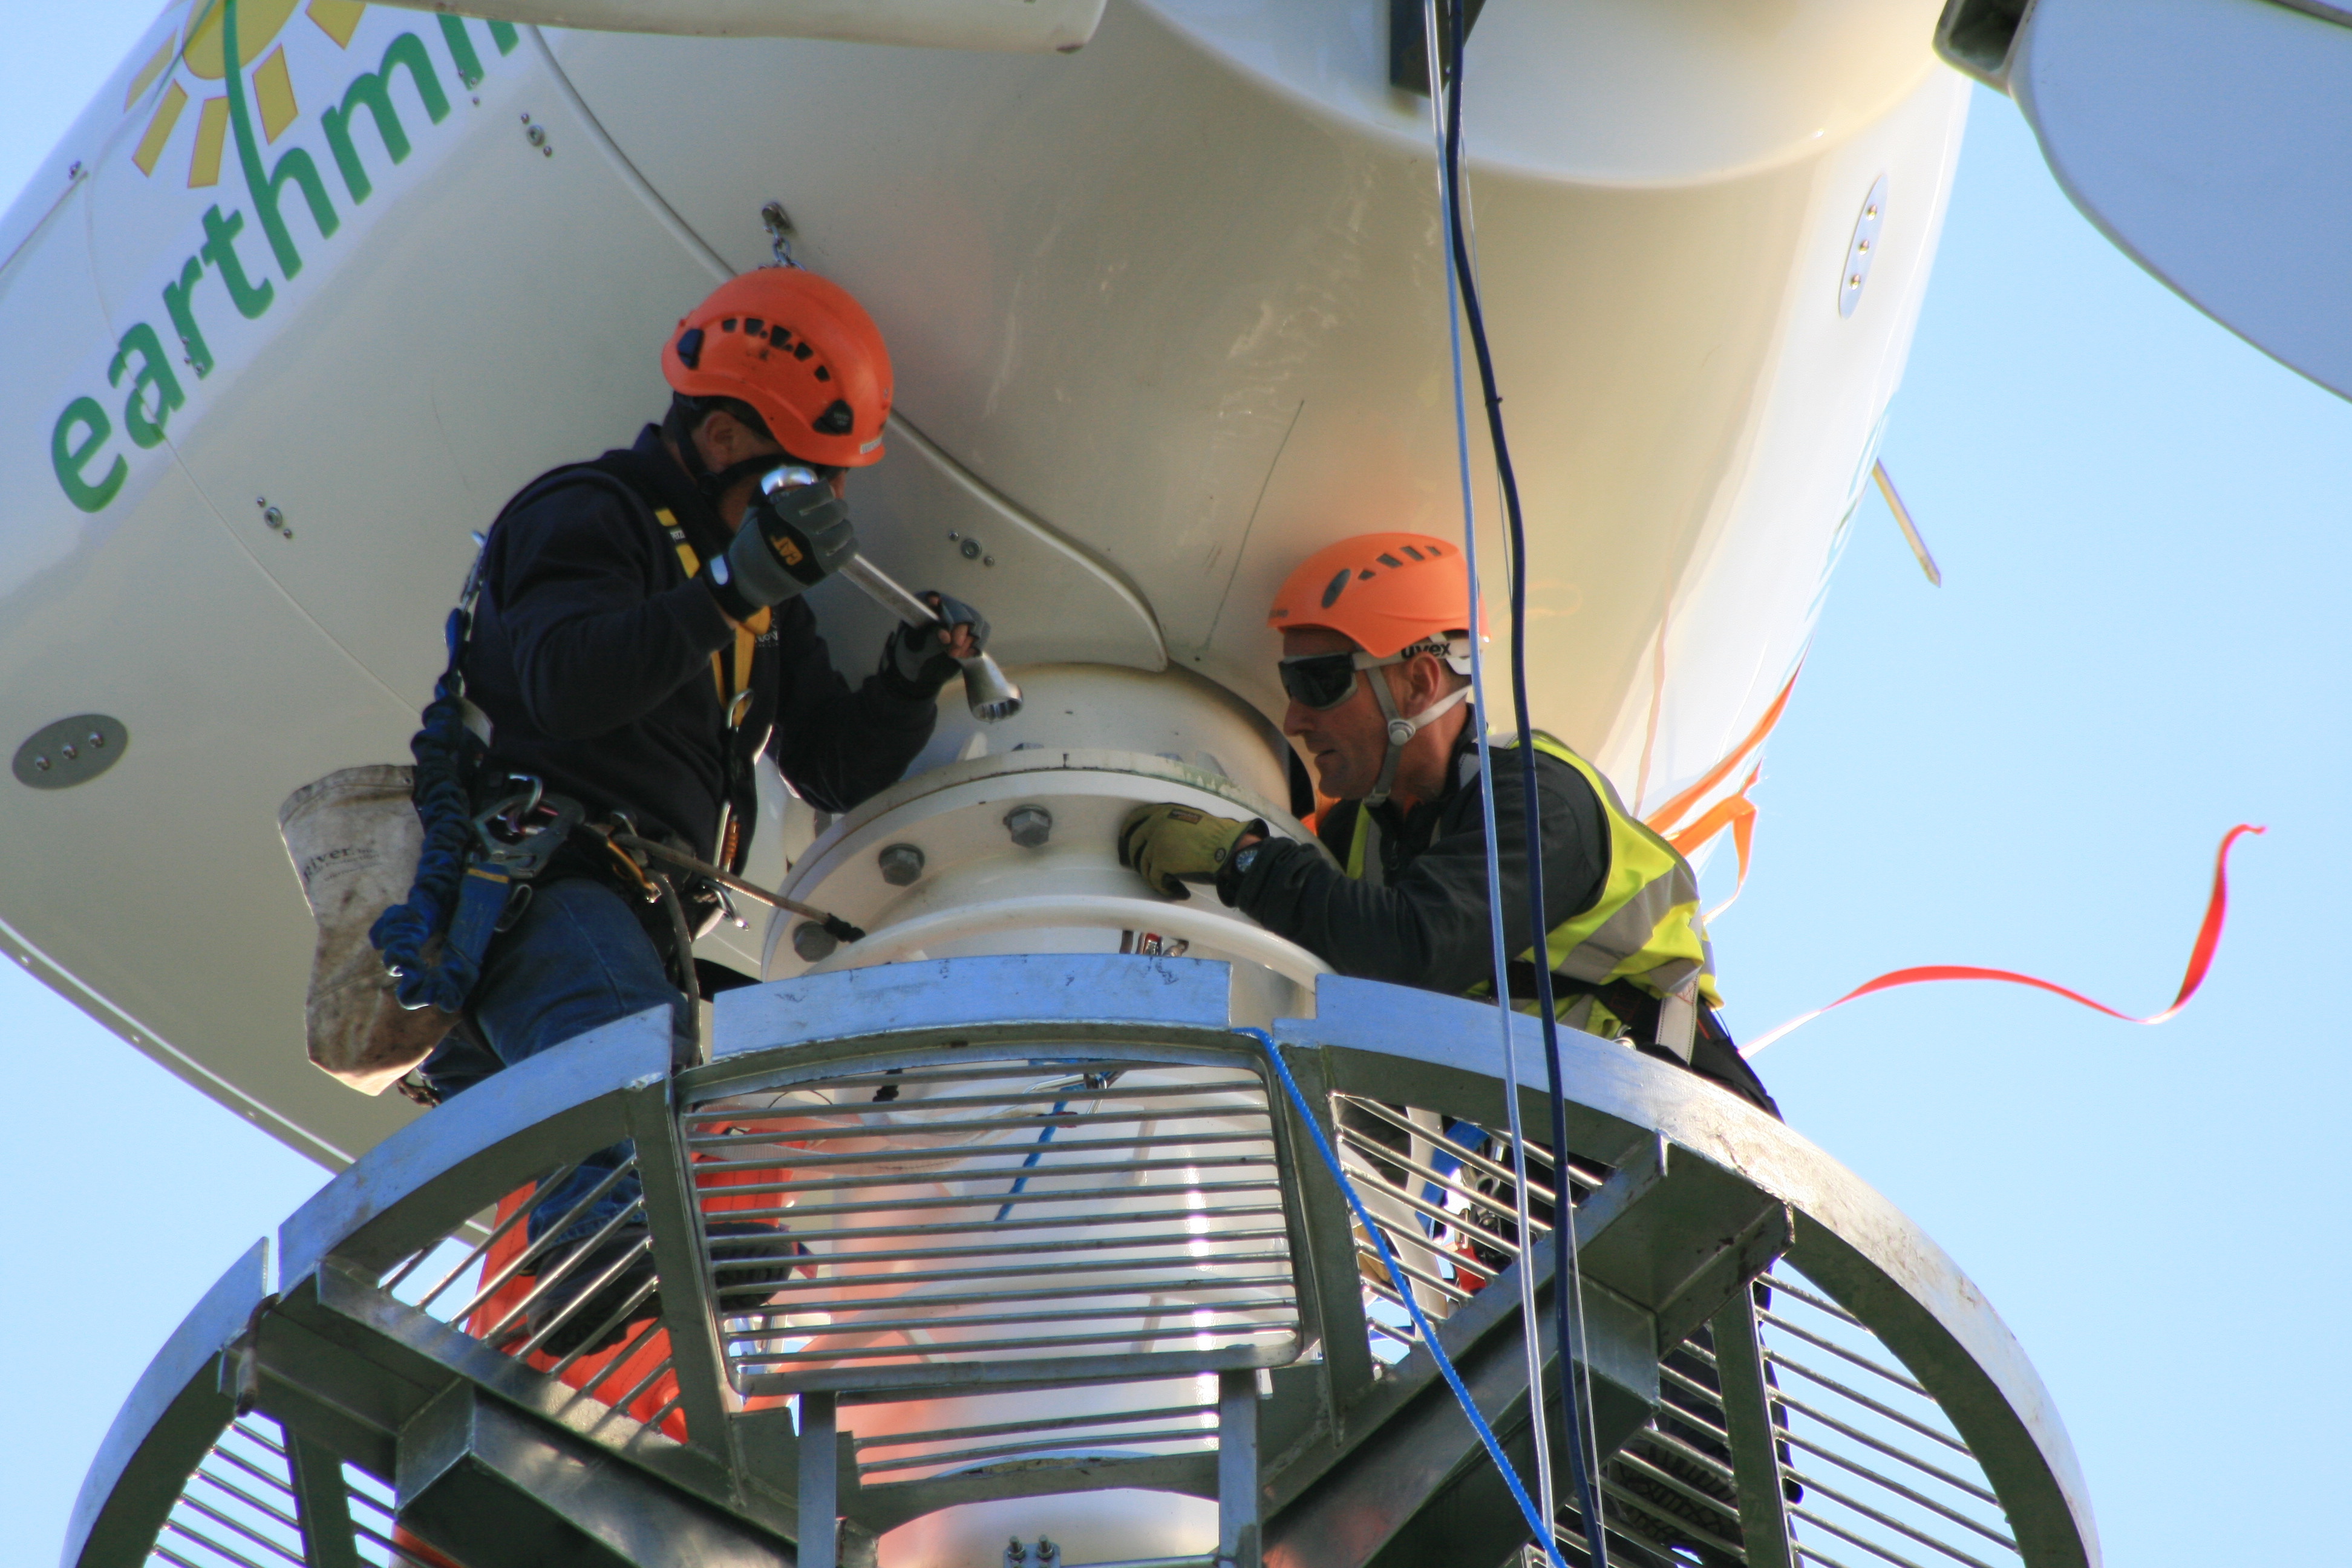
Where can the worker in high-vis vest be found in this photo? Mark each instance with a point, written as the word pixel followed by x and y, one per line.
pixel 1376 662
pixel 639 640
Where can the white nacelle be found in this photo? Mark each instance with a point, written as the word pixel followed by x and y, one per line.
pixel 1167 314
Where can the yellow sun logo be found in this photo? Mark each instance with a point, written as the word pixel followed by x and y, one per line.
pixel 195 47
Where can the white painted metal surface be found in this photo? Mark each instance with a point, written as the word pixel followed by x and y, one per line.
pixel 1010 24
pixel 1167 315
pixel 2212 141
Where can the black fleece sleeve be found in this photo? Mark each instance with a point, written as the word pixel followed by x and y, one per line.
pixel 1429 928
pixel 595 645
pixel 837 745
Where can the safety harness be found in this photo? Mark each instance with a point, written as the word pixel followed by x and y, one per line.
pixel 486 840
pixel 1637 959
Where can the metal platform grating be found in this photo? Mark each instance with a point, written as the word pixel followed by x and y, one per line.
pixel 1886 1480
pixel 242 1508
pixel 1871 1476
pixel 979 1219
pixel 488 1277
pixel 1443 1190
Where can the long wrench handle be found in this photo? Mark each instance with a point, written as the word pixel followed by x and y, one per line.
pixel 887 592
pixel 990 694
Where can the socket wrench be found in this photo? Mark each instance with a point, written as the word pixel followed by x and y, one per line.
pixel 985 687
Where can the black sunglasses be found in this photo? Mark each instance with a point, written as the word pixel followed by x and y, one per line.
pixel 1319 680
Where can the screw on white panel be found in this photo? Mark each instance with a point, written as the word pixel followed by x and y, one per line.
pixel 1030 826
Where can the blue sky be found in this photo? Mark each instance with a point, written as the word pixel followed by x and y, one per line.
pixel 2141 523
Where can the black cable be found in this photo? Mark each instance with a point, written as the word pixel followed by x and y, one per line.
pixel 1563 1214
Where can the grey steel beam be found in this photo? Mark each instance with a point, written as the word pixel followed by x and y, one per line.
pixel 820 1480
pixel 323 1503
pixel 686 1303
pixel 1330 1298
pixel 487 1483
pixel 1237 1484
pixel 1416 1487
pixel 1747 1421
pixel 364 1348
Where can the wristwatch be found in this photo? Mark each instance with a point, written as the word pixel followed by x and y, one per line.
pixel 1246 858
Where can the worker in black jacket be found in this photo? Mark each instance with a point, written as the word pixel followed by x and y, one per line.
pixel 638 641
pixel 1376 644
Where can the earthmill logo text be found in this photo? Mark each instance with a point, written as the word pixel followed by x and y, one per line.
pixel 242 113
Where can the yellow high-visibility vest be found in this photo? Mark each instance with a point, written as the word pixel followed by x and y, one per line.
pixel 1645 927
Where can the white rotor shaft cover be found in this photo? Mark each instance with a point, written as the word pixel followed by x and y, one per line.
pixel 1093 743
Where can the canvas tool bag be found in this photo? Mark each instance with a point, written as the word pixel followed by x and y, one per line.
pixel 354 840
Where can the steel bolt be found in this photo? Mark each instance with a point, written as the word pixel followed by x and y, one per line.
pixel 813 942
pixel 971 550
pixel 70 752
pixel 42 763
pixel 901 864
pixel 1030 826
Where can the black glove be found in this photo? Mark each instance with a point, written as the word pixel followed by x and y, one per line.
pixel 788 544
pixel 917 655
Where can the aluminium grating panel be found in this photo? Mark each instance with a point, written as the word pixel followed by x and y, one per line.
pixel 965 1217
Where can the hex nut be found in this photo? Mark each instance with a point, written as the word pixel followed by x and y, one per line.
pixel 902 864
pixel 813 942
pixel 1030 826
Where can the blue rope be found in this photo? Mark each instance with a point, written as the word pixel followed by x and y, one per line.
pixel 444 805
pixel 1044 1138
pixel 1527 1510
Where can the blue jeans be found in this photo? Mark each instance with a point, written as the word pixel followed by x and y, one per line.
pixel 575 960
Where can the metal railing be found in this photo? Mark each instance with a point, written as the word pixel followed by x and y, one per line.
pixel 930 1234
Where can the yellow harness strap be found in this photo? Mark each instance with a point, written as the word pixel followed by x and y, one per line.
pixel 732 674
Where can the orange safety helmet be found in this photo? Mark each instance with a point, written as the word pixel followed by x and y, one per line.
pixel 1388 591
pixel 800 350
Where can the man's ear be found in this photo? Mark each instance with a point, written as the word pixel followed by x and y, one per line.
pixel 722 437
pixel 1429 679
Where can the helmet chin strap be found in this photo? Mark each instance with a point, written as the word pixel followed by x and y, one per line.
pixel 1402 730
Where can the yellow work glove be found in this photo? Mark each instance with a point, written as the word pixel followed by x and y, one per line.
pixel 1173 845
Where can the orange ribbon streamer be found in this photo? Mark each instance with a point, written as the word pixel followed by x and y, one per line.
pixel 1734 811
pixel 1662 820
pixel 2200 959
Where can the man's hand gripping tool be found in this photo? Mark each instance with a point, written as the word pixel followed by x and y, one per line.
pixel 990 695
